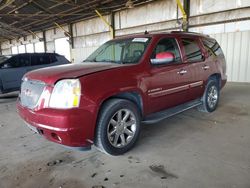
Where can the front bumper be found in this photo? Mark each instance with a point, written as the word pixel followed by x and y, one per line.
pixel 72 127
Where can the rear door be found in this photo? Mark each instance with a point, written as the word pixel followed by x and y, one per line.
pixel 13 71
pixel 168 83
pixel 214 57
pixel 194 57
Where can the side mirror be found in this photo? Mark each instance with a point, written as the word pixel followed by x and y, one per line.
pixel 163 58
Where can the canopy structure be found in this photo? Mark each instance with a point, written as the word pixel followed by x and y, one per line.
pixel 20 17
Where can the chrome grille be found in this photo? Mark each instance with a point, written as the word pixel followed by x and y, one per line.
pixel 31 90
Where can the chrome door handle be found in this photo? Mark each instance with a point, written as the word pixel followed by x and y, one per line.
pixel 182 72
pixel 205 67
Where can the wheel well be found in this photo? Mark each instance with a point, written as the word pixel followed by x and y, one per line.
pixel 131 96
pixel 216 77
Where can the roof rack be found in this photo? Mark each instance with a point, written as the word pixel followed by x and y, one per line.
pixel 187 32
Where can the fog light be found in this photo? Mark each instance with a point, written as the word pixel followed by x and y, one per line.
pixel 40 131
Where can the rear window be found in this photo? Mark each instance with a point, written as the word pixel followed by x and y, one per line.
pixel 212 47
pixel 53 58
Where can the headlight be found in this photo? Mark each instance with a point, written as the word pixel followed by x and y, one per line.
pixel 66 94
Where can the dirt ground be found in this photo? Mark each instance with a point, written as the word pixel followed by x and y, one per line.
pixel 191 150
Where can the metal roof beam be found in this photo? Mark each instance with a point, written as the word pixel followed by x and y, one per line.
pixel 66 11
pixel 54 6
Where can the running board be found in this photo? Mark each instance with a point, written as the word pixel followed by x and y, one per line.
pixel 159 116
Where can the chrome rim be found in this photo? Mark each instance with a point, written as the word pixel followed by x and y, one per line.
pixel 121 128
pixel 212 96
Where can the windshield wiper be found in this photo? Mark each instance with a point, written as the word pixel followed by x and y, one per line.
pixel 86 60
pixel 128 62
pixel 108 61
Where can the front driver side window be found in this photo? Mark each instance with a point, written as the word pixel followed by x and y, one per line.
pixel 24 60
pixel 167 45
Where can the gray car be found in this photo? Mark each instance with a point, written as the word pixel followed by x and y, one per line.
pixel 13 68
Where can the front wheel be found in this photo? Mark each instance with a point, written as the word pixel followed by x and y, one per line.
pixel 211 96
pixel 118 127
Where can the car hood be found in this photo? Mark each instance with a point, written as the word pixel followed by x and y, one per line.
pixel 52 74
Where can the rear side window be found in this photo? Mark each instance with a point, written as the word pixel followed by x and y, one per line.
pixel 167 45
pixel 212 47
pixel 192 50
pixel 40 59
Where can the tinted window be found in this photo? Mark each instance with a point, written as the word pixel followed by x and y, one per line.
pixel 212 47
pixel 16 62
pixel 34 60
pixel 167 45
pixel 53 58
pixel 40 59
pixel 192 50
pixel 13 62
pixel 24 60
pixel 3 59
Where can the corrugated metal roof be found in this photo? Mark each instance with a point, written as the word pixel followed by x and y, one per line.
pixel 18 17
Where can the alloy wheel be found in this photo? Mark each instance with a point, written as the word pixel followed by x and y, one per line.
pixel 212 97
pixel 121 128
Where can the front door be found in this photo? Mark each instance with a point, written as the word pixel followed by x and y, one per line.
pixel 167 84
pixel 13 70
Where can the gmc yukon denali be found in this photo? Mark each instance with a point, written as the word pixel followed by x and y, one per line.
pixel 126 82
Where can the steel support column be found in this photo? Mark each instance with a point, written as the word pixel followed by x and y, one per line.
pixel 107 23
pixel 113 23
pixel 44 41
pixel 184 14
pixel 186 6
pixel 71 36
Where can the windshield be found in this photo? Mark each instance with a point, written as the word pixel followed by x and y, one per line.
pixel 3 58
pixel 124 51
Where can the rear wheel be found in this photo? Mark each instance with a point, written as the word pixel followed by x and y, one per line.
pixel 211 96
pixel 118 127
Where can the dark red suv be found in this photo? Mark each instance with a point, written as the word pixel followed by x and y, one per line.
pixel 141 78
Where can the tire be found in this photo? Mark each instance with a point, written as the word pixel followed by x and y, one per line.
pixel 118 127
pixel 1 87
pixel 210 97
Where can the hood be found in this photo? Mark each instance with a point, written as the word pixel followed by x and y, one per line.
pixel 52 74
